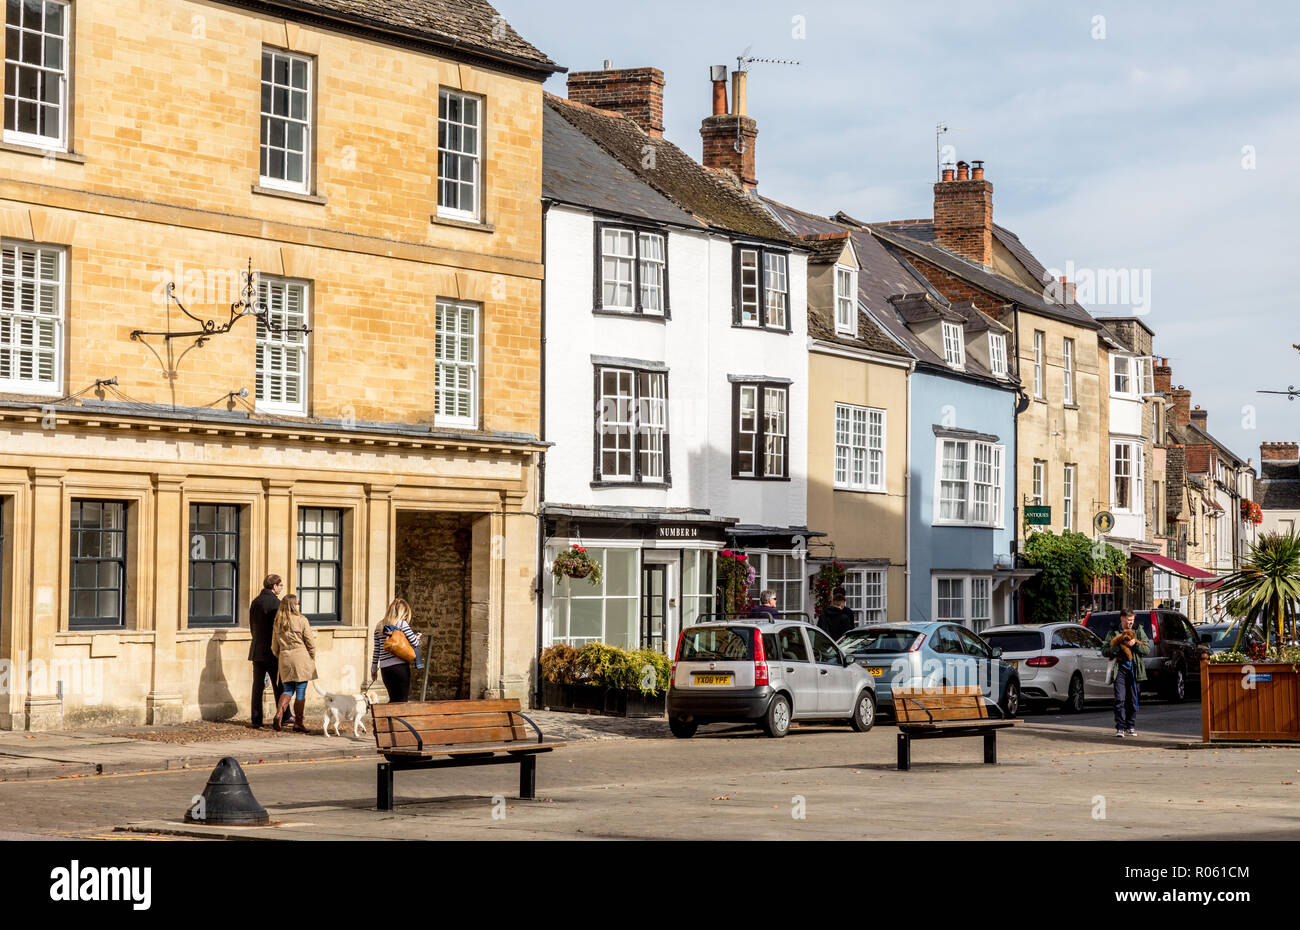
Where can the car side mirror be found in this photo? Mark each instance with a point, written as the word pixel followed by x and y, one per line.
pixel 997 652
pixel 1205 638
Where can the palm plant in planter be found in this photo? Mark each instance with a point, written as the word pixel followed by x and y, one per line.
pixel 1266 589
pixel 576 563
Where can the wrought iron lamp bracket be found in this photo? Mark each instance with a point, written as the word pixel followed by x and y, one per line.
pixel 247 305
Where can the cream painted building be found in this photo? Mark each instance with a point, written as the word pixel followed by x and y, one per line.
pixel 366 427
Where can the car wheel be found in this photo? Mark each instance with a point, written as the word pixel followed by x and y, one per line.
pixel 865 715
pixel 1010 699
pixel 683 729
pixel 1178 685
pixel 1074 699
pixel 777 722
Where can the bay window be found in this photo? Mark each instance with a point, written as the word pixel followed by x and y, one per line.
pixel 1126 492
pixel 969 482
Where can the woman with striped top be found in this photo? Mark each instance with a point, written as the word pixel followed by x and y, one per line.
pixel 395 670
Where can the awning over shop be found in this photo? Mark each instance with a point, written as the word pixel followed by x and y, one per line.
pixel 1176 567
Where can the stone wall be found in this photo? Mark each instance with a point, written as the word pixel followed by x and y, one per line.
pixel 432 572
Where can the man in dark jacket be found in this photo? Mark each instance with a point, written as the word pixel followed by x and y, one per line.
pixel 837 619
pixel 261 618
pixel 765 609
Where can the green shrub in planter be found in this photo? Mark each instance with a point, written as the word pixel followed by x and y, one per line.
pixel 559 664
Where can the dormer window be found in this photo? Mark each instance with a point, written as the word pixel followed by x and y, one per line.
pixel 846 301
pixel 954 348
pixel 998 354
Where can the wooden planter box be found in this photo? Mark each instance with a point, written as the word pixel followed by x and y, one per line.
pixel 587 699
pixel 1266 709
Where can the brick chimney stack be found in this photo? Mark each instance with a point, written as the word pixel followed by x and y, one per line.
pixel 1199 416
pixel 637 93
pixel 1279 453
pixel 1182 399
pixel 729 137
pixel 1162 374
pixel 963 214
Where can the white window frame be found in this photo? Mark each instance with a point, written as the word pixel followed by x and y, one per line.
pixel 623 267
pixel 1038 487
pixel 1137 496
pixel 308 141
pixel 867 595
pixel 628 253
pixel 998 354
pixel 636 421
pixel 1067 354
pixel 969 583
pixel 474 155
pixel 290 341
pixel 776 431
pixel 767 292
pixel 11 317
pixel 954 344
pixel 796 578
pixel 471 365
pixel 846 301
pixel 62 74
pixel 859 448
pixel 966 479
pixel 1126 390
pixel 1069 481
pixel 1038 364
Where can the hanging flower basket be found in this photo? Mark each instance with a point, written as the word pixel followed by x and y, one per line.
pixel 576 563
pixel 1251 512
pixel 735 575
pixel 828 578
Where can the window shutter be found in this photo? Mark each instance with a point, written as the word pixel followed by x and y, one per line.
pixel 667 468
pixel 664 297
pixel 595 429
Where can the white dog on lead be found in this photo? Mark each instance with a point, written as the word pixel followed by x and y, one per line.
pixel 351 707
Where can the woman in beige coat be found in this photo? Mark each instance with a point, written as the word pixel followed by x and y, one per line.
pixel 294 643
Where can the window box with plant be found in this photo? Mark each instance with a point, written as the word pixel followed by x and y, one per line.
pixel 604 679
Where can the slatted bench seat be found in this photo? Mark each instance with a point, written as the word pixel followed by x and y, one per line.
pixel 935 713
pixel 448 734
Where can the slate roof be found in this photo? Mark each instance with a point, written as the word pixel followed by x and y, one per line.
pixel 1279 489
pixel 577 171
pixel 468 25
pixel 916 237
pixel 826 247
pixel 1279 470
pixel 882 276
pixel 714 198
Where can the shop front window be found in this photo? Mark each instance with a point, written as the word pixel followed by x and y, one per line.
pixel 584 613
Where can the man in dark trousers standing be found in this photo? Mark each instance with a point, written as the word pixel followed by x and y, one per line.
pixel 261 618
pixel 837 619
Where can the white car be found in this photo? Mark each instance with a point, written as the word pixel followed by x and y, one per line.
pixel 1058 662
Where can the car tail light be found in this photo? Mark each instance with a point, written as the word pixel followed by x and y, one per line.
pixel 1042 661
pixel 677 656
pixel 1155 627
pixel 916 646
pixel 760 661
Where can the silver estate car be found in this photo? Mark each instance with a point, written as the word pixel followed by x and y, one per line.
pixel 769 673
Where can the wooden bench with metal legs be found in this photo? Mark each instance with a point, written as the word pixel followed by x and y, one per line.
pixel 939 713
pixel 450 734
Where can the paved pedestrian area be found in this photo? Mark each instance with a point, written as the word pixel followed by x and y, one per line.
pixel 1057 778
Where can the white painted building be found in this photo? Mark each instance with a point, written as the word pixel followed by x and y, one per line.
pixel 675 390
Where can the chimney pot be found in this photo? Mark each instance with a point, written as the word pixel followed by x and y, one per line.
pixel 739 93
pixel 718 75
pixel 977 172
pixel 609 65
pixel 947 174
pixel 963 172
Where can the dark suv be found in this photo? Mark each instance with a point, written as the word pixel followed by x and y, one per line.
pixel 1174 661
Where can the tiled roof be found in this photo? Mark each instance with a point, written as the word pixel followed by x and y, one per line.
pixel 826 247
pixel 882 277
pixel 1279 493
pixel 713 198
pixel 1268 470
pixel 575 170
pixel 917 238
pixel 472 25
pixel 1196 434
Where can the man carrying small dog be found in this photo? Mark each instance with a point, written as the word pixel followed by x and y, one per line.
pixel 261 618
pixel 1126 650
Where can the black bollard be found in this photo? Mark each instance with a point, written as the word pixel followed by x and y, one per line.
pixel 227 798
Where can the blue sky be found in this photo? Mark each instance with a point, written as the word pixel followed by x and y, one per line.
pixel 1123 151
